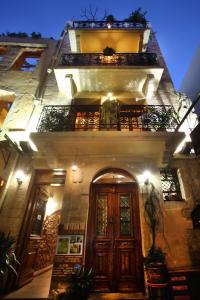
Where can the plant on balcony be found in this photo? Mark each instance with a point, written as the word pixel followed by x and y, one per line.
pixel 138 16
pixel 108 51
pixel 110 19
pixel 161 119
pixel 54 120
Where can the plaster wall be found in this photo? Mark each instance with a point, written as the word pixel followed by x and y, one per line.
pixel 175 234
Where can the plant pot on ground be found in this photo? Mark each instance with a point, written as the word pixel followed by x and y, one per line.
pixel 154 262
pixel 155 266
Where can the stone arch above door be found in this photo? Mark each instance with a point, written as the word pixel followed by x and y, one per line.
pixel 116 175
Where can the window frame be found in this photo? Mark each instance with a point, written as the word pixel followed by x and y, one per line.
pixel 170 176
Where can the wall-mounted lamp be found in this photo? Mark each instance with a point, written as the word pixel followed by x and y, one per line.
pixel 146 177
pixel 74 168
pixel 20 176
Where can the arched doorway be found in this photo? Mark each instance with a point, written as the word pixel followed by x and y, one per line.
pixel 113 235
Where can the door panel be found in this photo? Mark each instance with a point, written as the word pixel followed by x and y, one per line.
pixel 114 250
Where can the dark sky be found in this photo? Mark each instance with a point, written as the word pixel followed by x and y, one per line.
pixel 176 22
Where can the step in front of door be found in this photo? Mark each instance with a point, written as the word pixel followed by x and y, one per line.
pixel 180 287
pixel 118 296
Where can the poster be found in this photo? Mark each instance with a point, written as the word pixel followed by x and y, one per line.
pixel 70 245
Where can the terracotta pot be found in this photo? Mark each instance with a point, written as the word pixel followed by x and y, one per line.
pixel 157 273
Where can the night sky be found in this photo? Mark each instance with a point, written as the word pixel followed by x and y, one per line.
pixel 176 22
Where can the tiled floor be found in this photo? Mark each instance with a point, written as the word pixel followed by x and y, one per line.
pixel 38 288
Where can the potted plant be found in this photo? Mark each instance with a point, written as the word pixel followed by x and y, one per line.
pixel 79 284
pixel 110 19
pixel 138 16
pixel 8 259
pixel 155 266
pixel 155 260
pixel 108 51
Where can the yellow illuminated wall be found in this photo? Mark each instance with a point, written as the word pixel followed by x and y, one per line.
pixel 121 41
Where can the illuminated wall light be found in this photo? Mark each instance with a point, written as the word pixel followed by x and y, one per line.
pixel 20 176
pixel 74 168
pixel 59 170
pixel 146 176
pixel 109 26
pixel 109 96
pixel 56 184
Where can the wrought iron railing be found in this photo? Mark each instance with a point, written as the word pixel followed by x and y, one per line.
pixel 110 117
pixel 104 24
pixel 96 59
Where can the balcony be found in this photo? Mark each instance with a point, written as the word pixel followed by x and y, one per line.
pixel 118 59
pixel 104 25
pixel 125 132
pixel 107 117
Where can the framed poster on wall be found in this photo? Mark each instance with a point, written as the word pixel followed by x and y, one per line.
pixel 70 245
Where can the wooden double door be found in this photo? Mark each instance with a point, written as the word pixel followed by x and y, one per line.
pixel 114 239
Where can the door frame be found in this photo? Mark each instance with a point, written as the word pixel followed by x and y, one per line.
pixel 89 235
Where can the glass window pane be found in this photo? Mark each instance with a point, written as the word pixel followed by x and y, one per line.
pixel 125 214
pixel 101 214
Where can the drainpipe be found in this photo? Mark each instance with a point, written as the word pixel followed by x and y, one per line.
pixel 41 86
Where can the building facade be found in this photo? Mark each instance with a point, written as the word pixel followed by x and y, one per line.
pixel 89 126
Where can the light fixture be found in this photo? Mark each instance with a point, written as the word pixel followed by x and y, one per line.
pixel 109 96
pixel 109 25
pixel 146 176
pixel 74 168
pixel 20 176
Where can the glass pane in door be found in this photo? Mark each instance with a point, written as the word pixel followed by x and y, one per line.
pixel 102 214
pixel 125 215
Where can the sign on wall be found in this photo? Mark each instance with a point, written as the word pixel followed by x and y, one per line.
pixel 70 245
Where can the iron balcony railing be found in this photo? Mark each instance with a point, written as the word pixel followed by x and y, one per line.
pixel 104 24
pixel 98 59
pixel 109 116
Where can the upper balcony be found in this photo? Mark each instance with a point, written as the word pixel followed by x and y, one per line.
pixel 117 59
pixel 104 25
pixel 109 130
pixel 94 36
pixel 109 116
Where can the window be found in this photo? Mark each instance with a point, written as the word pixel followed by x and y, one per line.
pixel 170 185
pixel 27 61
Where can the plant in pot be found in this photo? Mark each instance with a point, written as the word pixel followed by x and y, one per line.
pixel 138 16
pixel 79 285
pixel 8 259
pixel 108 51
pixel 110 19
pixel 155 260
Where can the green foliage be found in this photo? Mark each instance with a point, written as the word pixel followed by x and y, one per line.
pixel 35 35
pixel 155 256
pixel 161 120
pixel 108 51
pixel 110 19
pixel 81 282
pixel 7 255
pixel 55 120
pixel 153 212
pixel 138 16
